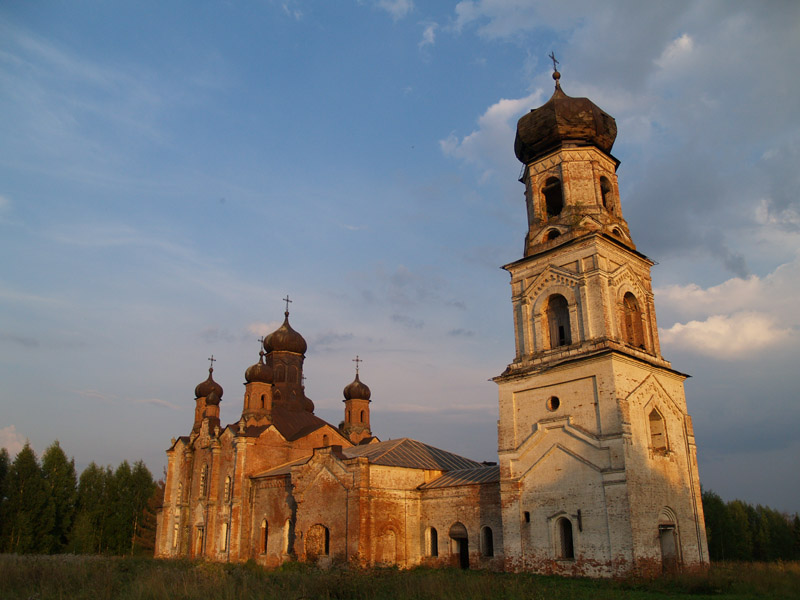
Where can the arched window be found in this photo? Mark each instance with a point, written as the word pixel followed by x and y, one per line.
pixel 223 543
pixel 632 321
pixel 566 549
pixel 325 440
pixel 318 541
pixel 293 374
pixel 226 494
pixel 288 536
pixel 179 498
pixel 605 193
pixel 361 417
pixel 658 432
pixel 175 530
pixel 431 541
pixel 203 481
pixel 347 416
pixel 263 400
pixel 487 541
pixel 264 536
pixel 558 321
pixel 551 235
pixel 553 200
pixel 280 373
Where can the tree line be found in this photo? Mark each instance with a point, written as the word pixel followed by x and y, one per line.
pixel 46 509
pixel 737 530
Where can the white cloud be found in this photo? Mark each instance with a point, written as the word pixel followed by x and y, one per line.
pixel 11 440
pixel 727 336
pixel 428 34
pixel 397 8
pixel 677 53
pixel 487 147
pixel 262 329
pixel 736 318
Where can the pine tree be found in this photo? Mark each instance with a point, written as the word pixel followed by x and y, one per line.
pixel 89 535
pixel 30 510
pixel 59 474
pixel 145 538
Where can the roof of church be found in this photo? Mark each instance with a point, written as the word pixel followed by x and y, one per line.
pixel 482 474
pixel 292 424
pixel 405 452
pixel 402 452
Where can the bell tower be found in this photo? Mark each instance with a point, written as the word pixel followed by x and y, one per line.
pixel 596 447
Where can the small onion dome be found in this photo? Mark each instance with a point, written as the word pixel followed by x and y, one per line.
pixel 259 372
pixel 356 390
pixel 209 385
pixel 563 120
pixel 213 398
pixel 285 339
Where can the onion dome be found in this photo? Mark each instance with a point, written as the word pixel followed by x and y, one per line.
pixel 204 389
pixel 285 339
pixel 356 390
pixel 259 372
pixel 563 120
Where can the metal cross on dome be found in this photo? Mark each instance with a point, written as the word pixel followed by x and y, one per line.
pixel 287 302
pixel 357 360
pixel 552 57
pixel 212 360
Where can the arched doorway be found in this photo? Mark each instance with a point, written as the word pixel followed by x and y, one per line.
pixel 668 541
pixel 387 548
pixel 318 540
pixel 459 544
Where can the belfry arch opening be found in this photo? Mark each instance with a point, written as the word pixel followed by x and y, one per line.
pixel 606 194
pixel 633 328
pixel 566 546
pixel 557 314
pixel 553 197
pixel 551 235
pixel 658 432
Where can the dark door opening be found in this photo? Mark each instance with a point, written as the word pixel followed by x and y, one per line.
pixel 463 553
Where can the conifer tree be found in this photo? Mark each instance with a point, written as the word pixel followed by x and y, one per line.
pixel 59 474
pixel 5 465
pixel 29 506
pixel 90 530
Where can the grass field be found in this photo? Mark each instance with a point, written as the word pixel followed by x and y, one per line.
pixel 101 578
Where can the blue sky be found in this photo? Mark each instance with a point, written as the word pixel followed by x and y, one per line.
pixel 170 171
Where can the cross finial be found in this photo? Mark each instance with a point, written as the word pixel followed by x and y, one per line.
pixel 287 304
pixel 212 360
pixel 552 56
pixel 357 360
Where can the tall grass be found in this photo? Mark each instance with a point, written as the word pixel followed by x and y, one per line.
pixel 101 578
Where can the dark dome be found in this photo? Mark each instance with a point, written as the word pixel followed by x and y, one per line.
pixel 563 120
pixel 209 385
pixel 259 372
pixel 213 398
pixel 356 390
pixel 285 339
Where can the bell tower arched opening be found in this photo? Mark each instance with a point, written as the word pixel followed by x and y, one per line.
pixel 557 315
pixel 553 197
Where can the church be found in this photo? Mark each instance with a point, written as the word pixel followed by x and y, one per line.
pixel 597 462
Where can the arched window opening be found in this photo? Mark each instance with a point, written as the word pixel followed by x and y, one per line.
pixel 487 542
pixel 634 334
pixel 179 498
pixel 566 549
pixel 361 417
pixel 280 373
pixel 552 234
pixel 264 536
pixel 318 541
pixel 325 440
pixel 658 432
pixel 292 374
pixel 432 541
pixel 223 543
pixel 203 481
pixel 276 395
pixel 263 400
pixel 527 516
pixel 459 544
pixel 288 535
pixel 553 199
pixel 558 321
pixel 347 416
pixel 617 232
pixel 226 494
pixel 605 193
pixel 175 530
